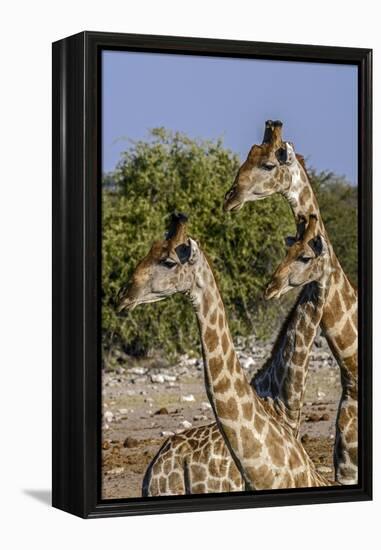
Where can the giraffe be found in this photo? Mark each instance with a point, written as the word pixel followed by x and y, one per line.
pixel 281 382
pixel 265 452
pixel 273 167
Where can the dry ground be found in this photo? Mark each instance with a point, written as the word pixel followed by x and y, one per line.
pixel 145 402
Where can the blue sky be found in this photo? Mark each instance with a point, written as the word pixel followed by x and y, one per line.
pixel 210 97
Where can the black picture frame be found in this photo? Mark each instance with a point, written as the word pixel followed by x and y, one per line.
pixel 76 272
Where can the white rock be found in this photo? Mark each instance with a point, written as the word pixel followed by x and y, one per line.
pixel 247 362
pixel 188 361
pixel 167 433
pixel 116 471
pixel 122 411
pixel 320 394
pixel 138 370
pixel 205 406
pixel 186 424
pixel 108 416
pixel 169 377
pixel 157 378
pixel 187 398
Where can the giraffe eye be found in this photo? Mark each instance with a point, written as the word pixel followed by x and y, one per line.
pixel 167 262
pixel 268 166
pixel 304 259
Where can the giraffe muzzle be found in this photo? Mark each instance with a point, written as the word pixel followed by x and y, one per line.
pixel 270 293
pixel 127 299
pixel 231 202
pixel 128 305
pixel 273 290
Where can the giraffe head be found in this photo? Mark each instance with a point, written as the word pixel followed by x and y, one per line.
pixel 305 261
pixel 266 170
pixel 168 268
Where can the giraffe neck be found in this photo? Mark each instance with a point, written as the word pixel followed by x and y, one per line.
pixel 283 377
pixel 303 201
pixel 259 444
pixel 300 195
pixel 232 399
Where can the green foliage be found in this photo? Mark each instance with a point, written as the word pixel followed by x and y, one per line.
pixel 172 172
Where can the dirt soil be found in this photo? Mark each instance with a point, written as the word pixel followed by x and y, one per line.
pixel 145 402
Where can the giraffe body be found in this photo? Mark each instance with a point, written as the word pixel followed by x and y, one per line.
pixel 194 462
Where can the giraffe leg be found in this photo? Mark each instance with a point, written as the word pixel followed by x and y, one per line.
pixel 346 442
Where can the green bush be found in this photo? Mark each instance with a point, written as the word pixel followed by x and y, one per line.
pixel 172 172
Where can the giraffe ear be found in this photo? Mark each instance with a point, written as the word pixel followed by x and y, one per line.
pixel 318 245
pixel 194 251
pixel 290 241
pixel 286 154
pixel 187 252
pixel 183 252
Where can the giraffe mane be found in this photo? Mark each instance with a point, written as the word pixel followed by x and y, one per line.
pixel 301 161
pixel 285 327
pixel 211 267
pixel 288 325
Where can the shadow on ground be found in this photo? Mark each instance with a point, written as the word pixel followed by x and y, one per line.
pixel 42 495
